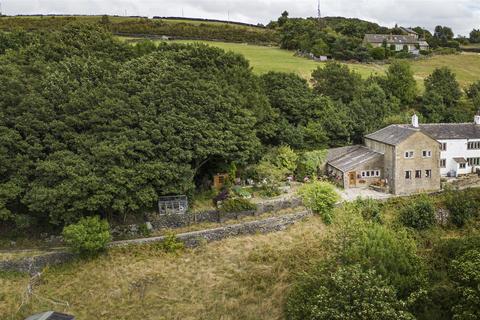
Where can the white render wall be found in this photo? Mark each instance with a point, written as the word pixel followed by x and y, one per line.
pixel 458 149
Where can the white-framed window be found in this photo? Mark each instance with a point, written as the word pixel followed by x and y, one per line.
pixel 371 174
pixel 428 173
pixel 409 154
pixel 418 174
pixel 463 165
pixel 443 146
pixel 408 175
pixel 443 163
pixel 427 153
pixel 473 145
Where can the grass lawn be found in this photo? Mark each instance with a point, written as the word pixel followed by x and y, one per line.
pixel 264 59
pixel 239 278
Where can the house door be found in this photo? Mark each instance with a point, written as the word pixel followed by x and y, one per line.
pixel 352 179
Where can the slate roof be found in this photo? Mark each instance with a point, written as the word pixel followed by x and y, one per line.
pixel 336 153
pixel 392 135
pixel 447 131
pixel 355 156
pixel 392 39
pixel 408 30
pixel 460 160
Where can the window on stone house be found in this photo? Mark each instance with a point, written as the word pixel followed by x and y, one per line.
pixel 408 175
pixel 427 153
pixel 418 174
pixel 409 154
pixel 428 173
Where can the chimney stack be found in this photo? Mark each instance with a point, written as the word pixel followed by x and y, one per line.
pixel 476 119
pixel 415 120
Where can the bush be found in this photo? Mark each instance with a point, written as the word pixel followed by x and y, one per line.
pixel 237 205
pixel 348 293
pixel 377 53
pixel 391 253
pixel 418 214
pixel 320 197
pixel 369 209
pixel 88 237
pixel 463 205
pixel 171 244
pixel 309 163
pixel 242 193
pixel 466 273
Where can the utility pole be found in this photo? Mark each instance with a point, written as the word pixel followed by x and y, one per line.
pixel 319 14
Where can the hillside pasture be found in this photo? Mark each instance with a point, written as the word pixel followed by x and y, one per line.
pixel 264 59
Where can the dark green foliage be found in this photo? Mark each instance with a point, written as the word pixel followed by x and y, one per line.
pixel 391 253
pixel 419 213
pixel 466 273
pixel 88 237
pixel 400 82
pixel 237 205
pixel 320 197
pixel 336 81
pixel 463 206
pixel 475 36
pixel 91 125
pixel 345 293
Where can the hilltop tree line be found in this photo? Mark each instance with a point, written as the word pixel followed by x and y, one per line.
pixel 91 125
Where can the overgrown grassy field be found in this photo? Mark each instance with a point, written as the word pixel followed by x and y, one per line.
pixel 264 59
pixel 239 278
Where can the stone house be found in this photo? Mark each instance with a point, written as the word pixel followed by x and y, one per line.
pixel 412 42
pixel 403 159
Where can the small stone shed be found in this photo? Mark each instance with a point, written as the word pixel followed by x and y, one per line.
pixel 354 166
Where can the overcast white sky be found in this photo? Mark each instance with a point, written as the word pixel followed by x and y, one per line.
pixel 461 15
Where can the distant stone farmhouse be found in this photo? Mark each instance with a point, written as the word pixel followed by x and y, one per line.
pixel 408 158
pixel 410 40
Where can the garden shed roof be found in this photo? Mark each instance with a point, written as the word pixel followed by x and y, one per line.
pixel 355 156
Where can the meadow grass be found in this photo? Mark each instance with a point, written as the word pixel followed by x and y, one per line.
pixel 264 59
pixel 238 278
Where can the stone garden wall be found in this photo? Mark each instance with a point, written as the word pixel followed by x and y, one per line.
pixel 32 265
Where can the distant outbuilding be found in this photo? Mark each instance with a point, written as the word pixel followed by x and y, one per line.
pixel 51 315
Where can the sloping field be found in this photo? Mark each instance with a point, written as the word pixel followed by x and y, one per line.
pixel 238 278
pixel 263 59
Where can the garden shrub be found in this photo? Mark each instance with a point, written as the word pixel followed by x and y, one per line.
pixel 419 213
pixel 462 205
pixel 237 205
pixel 242 193
pixel 171 244
pixel 283 157
pixel 347 293
pixel 88 237
pixel 369 209
pixel 320 197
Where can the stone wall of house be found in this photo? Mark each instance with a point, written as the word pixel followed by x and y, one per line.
pixel 417 143
pixel 376 164
pixel 389 161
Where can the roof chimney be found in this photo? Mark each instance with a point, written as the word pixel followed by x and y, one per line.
pixel 415 120
pixel 476 119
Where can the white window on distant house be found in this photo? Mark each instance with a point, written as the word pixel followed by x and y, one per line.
pixel 418 174
pixel 472 145
pixel 364 174
pixel 443 146
pixel 463 165
pixel 409 154
pixel 371 173
pixel 427 153
pixel 408 175
pixel 368 173
pixel 428 173
pixel 443 163
pixel 377 173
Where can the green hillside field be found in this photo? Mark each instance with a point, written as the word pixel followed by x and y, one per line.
pixel 264 59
